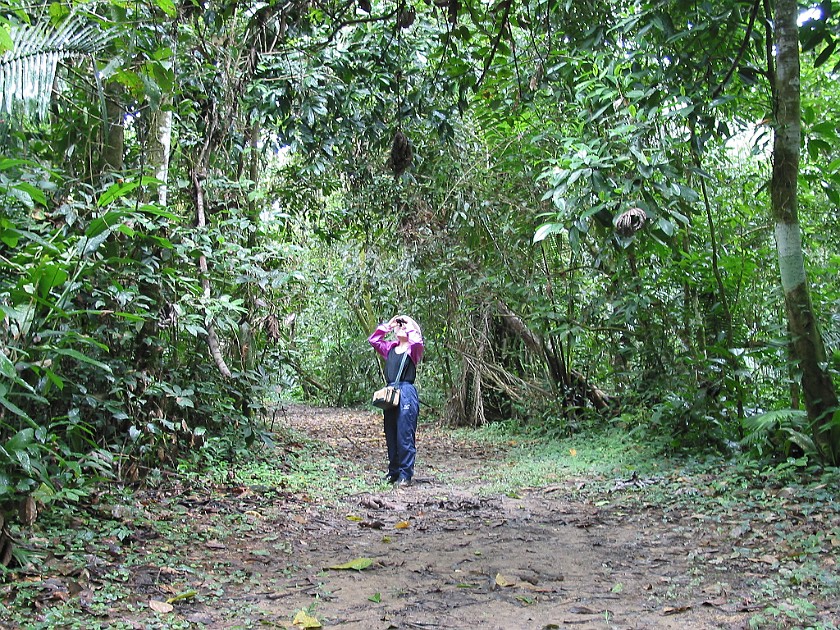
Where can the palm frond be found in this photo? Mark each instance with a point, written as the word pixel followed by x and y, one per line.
pixel 759 427
pixel 27 71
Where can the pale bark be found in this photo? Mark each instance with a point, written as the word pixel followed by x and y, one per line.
pixel 819 393
pixel 159 149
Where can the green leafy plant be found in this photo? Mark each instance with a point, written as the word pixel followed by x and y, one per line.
pixel 778 432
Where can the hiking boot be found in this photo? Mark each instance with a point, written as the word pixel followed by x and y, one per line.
pixel 402 482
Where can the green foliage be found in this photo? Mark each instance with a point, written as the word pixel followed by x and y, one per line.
pixel 779 432
pixel 310 240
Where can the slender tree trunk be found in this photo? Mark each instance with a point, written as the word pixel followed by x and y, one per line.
pixel 820 396
pixel 114 142
pixel 158 152
pixel 212 338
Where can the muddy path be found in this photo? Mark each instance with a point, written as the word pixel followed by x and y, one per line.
pixel 444 553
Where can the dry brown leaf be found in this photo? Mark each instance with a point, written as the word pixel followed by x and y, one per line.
pixel 28 511
pixel 161 607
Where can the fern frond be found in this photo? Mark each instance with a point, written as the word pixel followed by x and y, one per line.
pixel 761 426
pixel 802 441
pixel 27 71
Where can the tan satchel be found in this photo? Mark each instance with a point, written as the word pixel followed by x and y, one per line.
pixel 386 398
pixel 389 396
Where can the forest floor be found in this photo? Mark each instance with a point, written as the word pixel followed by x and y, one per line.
pixel 450 551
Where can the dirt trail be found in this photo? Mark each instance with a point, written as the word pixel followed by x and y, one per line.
pixel 446 555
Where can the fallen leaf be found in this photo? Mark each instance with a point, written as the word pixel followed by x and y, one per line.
pixel 669 610
pixel 573 452
pixel 766 559
pixel 305 620
pixel 582 610
pixel 161 607
pixel 402 525
pixel 376 598
pixel 358 565
pixel 503 581
pixel 354 517
pixel 181 596
pixel 215 544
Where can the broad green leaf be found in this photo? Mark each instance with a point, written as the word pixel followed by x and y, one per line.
pixel 55 379
pixel 10 237
pixel 6 42
pixel 167 6
pixel 154 210
pixel 15 409
pixel 20 440
pixel 34 192
pixel 359 564
pixel 50 276
pixel 666 226
pixel 115 191
pixel 546 230
pixel 75 354
pixel 7 163
pixel 7 368
pixel 105 222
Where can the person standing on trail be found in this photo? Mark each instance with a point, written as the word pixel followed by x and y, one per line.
pixel 400 421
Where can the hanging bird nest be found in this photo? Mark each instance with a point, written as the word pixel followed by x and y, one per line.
pixel 630 221
pixel 401 154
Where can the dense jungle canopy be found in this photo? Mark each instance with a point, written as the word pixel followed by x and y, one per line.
pixel 601 213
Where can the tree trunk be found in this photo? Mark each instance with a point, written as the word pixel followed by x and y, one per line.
pixel 114 141
pixel 820 396
pixel 159 149
pixel 212 338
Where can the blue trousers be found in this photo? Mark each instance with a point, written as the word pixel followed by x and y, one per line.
pixel 400 432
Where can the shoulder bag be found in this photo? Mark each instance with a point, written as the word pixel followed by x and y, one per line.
pixel 389 396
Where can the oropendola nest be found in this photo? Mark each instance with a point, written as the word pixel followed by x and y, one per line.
pixel 401 154
pixel 630 222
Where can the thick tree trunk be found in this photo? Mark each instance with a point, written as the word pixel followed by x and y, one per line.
pixel 818 389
